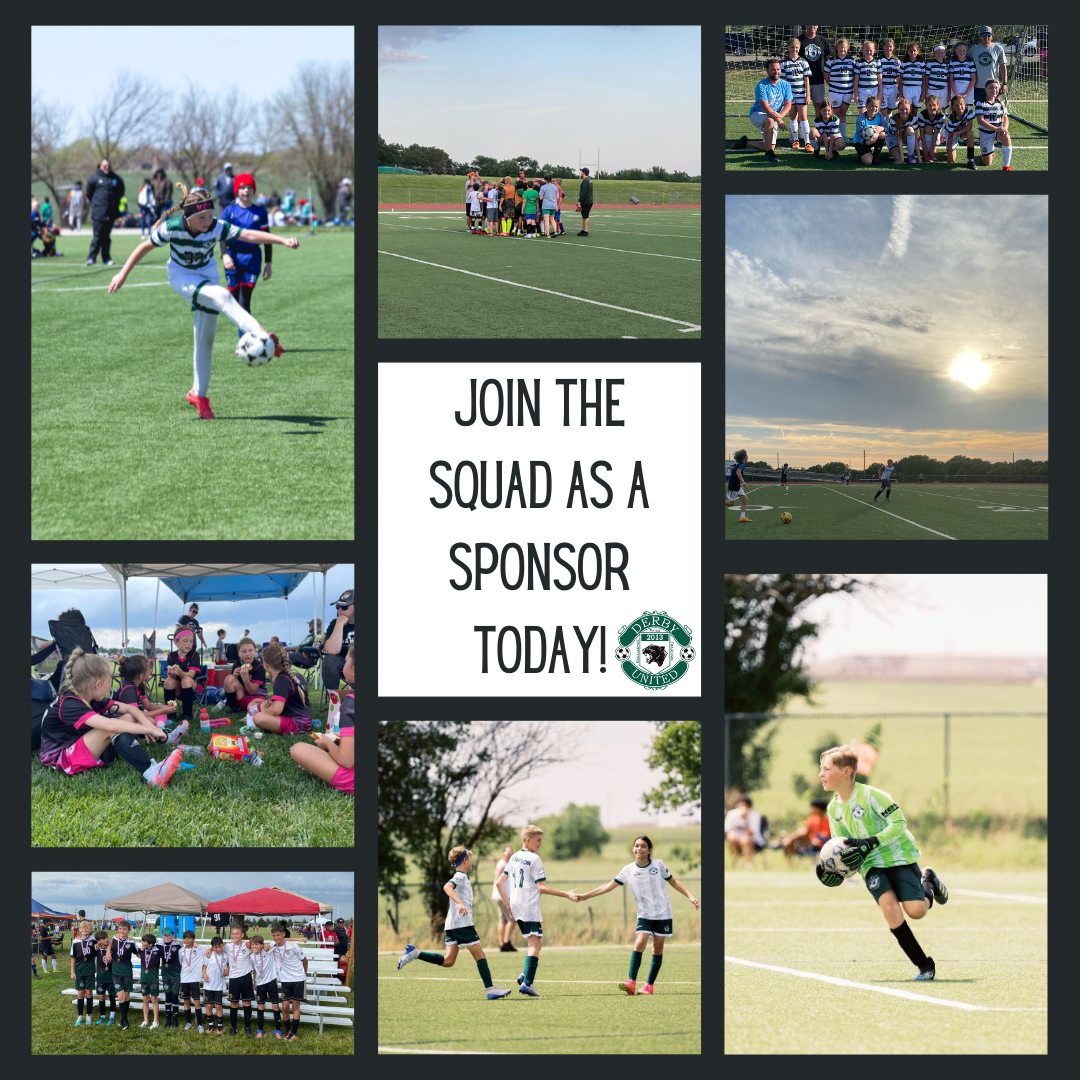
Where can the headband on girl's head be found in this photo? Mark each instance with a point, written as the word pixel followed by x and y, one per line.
pixel 198 207
pixel 181 633
pixel 461 858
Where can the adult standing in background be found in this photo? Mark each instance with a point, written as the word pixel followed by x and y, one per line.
pixel 146 208
pixel 162 186
pixel 104 190
pixel 506 924
pixel 989 57
pixel 191 621
pixel 344 199
pixel 339 636
pixel 223 186
pixel 814 49
pixel 76 206
pixel 585 201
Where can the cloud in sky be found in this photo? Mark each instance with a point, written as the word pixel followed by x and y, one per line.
pixel 845 313
pixel 396 42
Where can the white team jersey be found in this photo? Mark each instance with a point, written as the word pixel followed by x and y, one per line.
pixel 290 962
pixel 525 871
pixel 239 959
pixel 648 884
pixel 264 964
pixel 192 252
pixel 191 963
pixel 216 965
pixel 463 887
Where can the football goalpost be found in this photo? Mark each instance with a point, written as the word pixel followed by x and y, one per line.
pixel 746 48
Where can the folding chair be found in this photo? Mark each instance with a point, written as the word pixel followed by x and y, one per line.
pixel 69 637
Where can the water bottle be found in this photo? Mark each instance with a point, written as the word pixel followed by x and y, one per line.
pixel 252 757
pixel 316 723
pixel 204 720
pixel 193 750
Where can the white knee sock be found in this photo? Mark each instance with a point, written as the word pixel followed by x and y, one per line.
pixel 911 146
pixel 219 298
pixel 1006 155
pixel 205 325
pixel 804 128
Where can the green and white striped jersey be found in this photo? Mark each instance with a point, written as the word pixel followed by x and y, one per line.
pixel 872 812
pixel 192 252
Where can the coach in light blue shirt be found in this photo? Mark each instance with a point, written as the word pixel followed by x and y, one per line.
pixel 772 101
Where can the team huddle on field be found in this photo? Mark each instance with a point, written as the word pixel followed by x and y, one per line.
pixel 907 106
pixel 529 208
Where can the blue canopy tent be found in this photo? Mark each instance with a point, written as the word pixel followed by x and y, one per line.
pixel 40 911
pixel 194 582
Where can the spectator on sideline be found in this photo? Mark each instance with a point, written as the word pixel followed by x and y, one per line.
pixel 339 636
pixel 273 201
pixel 344 198
pixel 146 203
pixel 223 186
pixel 76 206
pixel 162 191
pixel 585 196
pixel 104 190
pixel 811 834
pixel 191 621
pixel 742 828
pixel 298 658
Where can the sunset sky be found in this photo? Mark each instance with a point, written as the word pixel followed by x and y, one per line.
pixel 845 313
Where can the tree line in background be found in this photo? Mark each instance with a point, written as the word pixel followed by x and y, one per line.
pixel 435 161
pixel 310 127
pixel 913 464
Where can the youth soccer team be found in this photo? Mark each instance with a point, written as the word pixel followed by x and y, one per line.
pixel 528 208
pixel 523 874
pixel 888 93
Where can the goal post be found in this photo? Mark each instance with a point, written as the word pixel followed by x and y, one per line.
pixel 746 48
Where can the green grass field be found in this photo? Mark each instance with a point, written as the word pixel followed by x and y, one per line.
pixel 216 804
pixel 116 451
pixel 53 1031
pixel 987 753
pixel 398 189
pixel 916 512
pixel 637 274
pixel 580 1010
pixel 785 936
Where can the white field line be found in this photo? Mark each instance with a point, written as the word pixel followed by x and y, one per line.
pixel 1019 897
pixel 872 929
pixel 534 288
pixel 788 150
pixel 897 516
pixel 907 995
pixel 984 501
pixel 409 1050
pixel 630 337
pixel 95 288
pixel 591 982
pixel 579 247
pixel 578 948
pixel 689 329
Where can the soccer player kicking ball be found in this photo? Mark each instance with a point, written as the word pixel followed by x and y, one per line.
pixel 734 473
pixel 880 846
pixel 460 930
pixel 885 476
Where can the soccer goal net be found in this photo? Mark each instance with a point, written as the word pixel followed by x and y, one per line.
pixel 747 48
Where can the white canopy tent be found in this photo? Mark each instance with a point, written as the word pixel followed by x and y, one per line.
pixel 116 575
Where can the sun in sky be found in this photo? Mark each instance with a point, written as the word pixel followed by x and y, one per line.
pixel 970 370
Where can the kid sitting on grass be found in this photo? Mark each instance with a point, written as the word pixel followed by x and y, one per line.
pixel 459 926
pixel 958 125
pixel 826 133
pixel 182 669
pixel 931 121
pixel 134 671
pixel 902 130
pixel 331 759
pixel 244 683
pixel 288 711
pixel 77 735
pixel 869 132
pixel 880 846
pixel 646 877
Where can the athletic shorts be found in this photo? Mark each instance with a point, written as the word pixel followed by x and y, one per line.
pixel 244 701
pixel 121 983
pixel 914 95
pixel 343 780
pixel 463 935
pixel 530 217
pixel 530 929
pixel 905 881
pixel 475 215
pixel 986 142
pixel 212 997
pixel 240 988
pixel 73 759
pixel 891 140
pixel 47 949
pixel 558 215
pixel 836 100
pixel 84 982
pixel 267 990
pixel 864 94
pixel 888 97
pixel 490 213
pixel 148 983
pixel 885 484
pixel 547 212
pixel 817 92
pixel 104 982
pixel 191 991
pixel 293 991
pixel 289 726
pixel 586 208
pixel 170 984
pixel 467 208
pixel 980 93
pixel 654 927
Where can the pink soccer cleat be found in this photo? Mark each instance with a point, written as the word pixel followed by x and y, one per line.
pixel 202 404
pixel 646 989
pixel 278 350
pixel 629 986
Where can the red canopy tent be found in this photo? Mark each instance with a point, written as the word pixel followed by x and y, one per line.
pixel 272 901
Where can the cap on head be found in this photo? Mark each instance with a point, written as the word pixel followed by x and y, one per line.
pixel 986 30
pixel 585 171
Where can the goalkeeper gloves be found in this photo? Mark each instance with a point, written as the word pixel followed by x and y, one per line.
pixel 856 850
pixel 827 879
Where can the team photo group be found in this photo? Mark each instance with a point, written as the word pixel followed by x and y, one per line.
pixel 908 99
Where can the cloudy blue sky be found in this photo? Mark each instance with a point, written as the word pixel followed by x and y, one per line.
pixel 264 618
pixel 71 892
pixel 634 91
pixel 844 314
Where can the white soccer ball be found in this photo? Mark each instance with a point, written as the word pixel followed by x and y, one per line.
pixel 832 858
pixel 688 652
pixel 622 653
pixel 256 348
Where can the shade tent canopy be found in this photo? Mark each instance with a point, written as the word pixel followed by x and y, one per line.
pixel 197 570
pixel 74 576
pixel 168 898
pixel 272 901
pixel 199 589
pixel 40 911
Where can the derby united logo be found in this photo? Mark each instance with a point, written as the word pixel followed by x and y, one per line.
pixel 654 650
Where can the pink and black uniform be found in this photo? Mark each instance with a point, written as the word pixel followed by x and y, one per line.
pixel 62 730
pixel 295 716
pixel 343 778
pixel 190 665
pixel 257 678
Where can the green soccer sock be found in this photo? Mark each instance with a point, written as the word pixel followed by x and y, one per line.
pixel 635 964
pixel 485 972
pixel 530 969
pixel 654 967
pixel 431 958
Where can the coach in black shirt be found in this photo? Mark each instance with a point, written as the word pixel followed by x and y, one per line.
pixel 191 621
pixel 585 201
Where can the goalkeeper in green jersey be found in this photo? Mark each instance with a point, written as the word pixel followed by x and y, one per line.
pixel 879 845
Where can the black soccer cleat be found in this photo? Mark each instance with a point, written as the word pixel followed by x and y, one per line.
pixel 770 155
pixel 927 972
pixel 740 144
pixel 941 894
